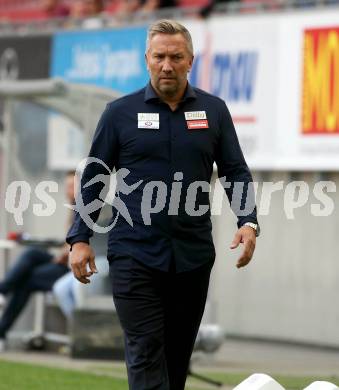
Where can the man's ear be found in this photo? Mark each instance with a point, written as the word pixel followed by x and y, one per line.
pixel 146 60
pixel 191 64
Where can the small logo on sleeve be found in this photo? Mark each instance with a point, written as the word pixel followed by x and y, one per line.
pixel 148 120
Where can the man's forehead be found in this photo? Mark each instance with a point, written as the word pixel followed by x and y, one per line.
pixel 168 42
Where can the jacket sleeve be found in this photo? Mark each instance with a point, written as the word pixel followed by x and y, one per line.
pixel 99 165
pixel 233 172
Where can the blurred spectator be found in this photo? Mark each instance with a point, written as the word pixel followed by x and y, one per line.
pixel 82 9
pixel 153 5
pixel 128 7
pixel 92 12
pixel 77 9
pixel 93 7
pixel 54 9
pixel 68 291
pixel 207 10
pixel 64 291
pixel 34 270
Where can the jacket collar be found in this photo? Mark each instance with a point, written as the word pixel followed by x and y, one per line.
pixel 151 95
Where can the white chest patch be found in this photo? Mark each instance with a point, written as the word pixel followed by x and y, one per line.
pixel 195 115
pixel 147 120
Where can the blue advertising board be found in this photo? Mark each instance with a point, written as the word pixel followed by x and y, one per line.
pixel 108 58
pixel 231 75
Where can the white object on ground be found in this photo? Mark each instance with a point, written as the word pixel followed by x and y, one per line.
pixel 259 382
pixel 321 385
pixel 210 337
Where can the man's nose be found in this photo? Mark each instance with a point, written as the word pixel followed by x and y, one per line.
pixel 167 66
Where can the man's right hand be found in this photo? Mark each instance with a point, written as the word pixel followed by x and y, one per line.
pixel 81 255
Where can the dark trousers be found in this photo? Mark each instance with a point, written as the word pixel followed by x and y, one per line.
pixel 33 271
pixel 160 313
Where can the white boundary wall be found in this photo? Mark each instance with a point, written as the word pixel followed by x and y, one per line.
pixel 289 291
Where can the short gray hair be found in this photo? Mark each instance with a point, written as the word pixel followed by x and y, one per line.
pixel 166 26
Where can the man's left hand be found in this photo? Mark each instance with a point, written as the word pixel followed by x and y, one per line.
pixel 246 236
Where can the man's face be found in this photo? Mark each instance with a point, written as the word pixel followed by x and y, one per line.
pixel 168 62
pixel 70 184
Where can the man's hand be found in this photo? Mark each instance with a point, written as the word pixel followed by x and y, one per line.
pixel 246 236
pixel 81 255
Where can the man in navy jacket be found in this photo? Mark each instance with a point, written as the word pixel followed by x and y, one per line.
pixel 163 141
